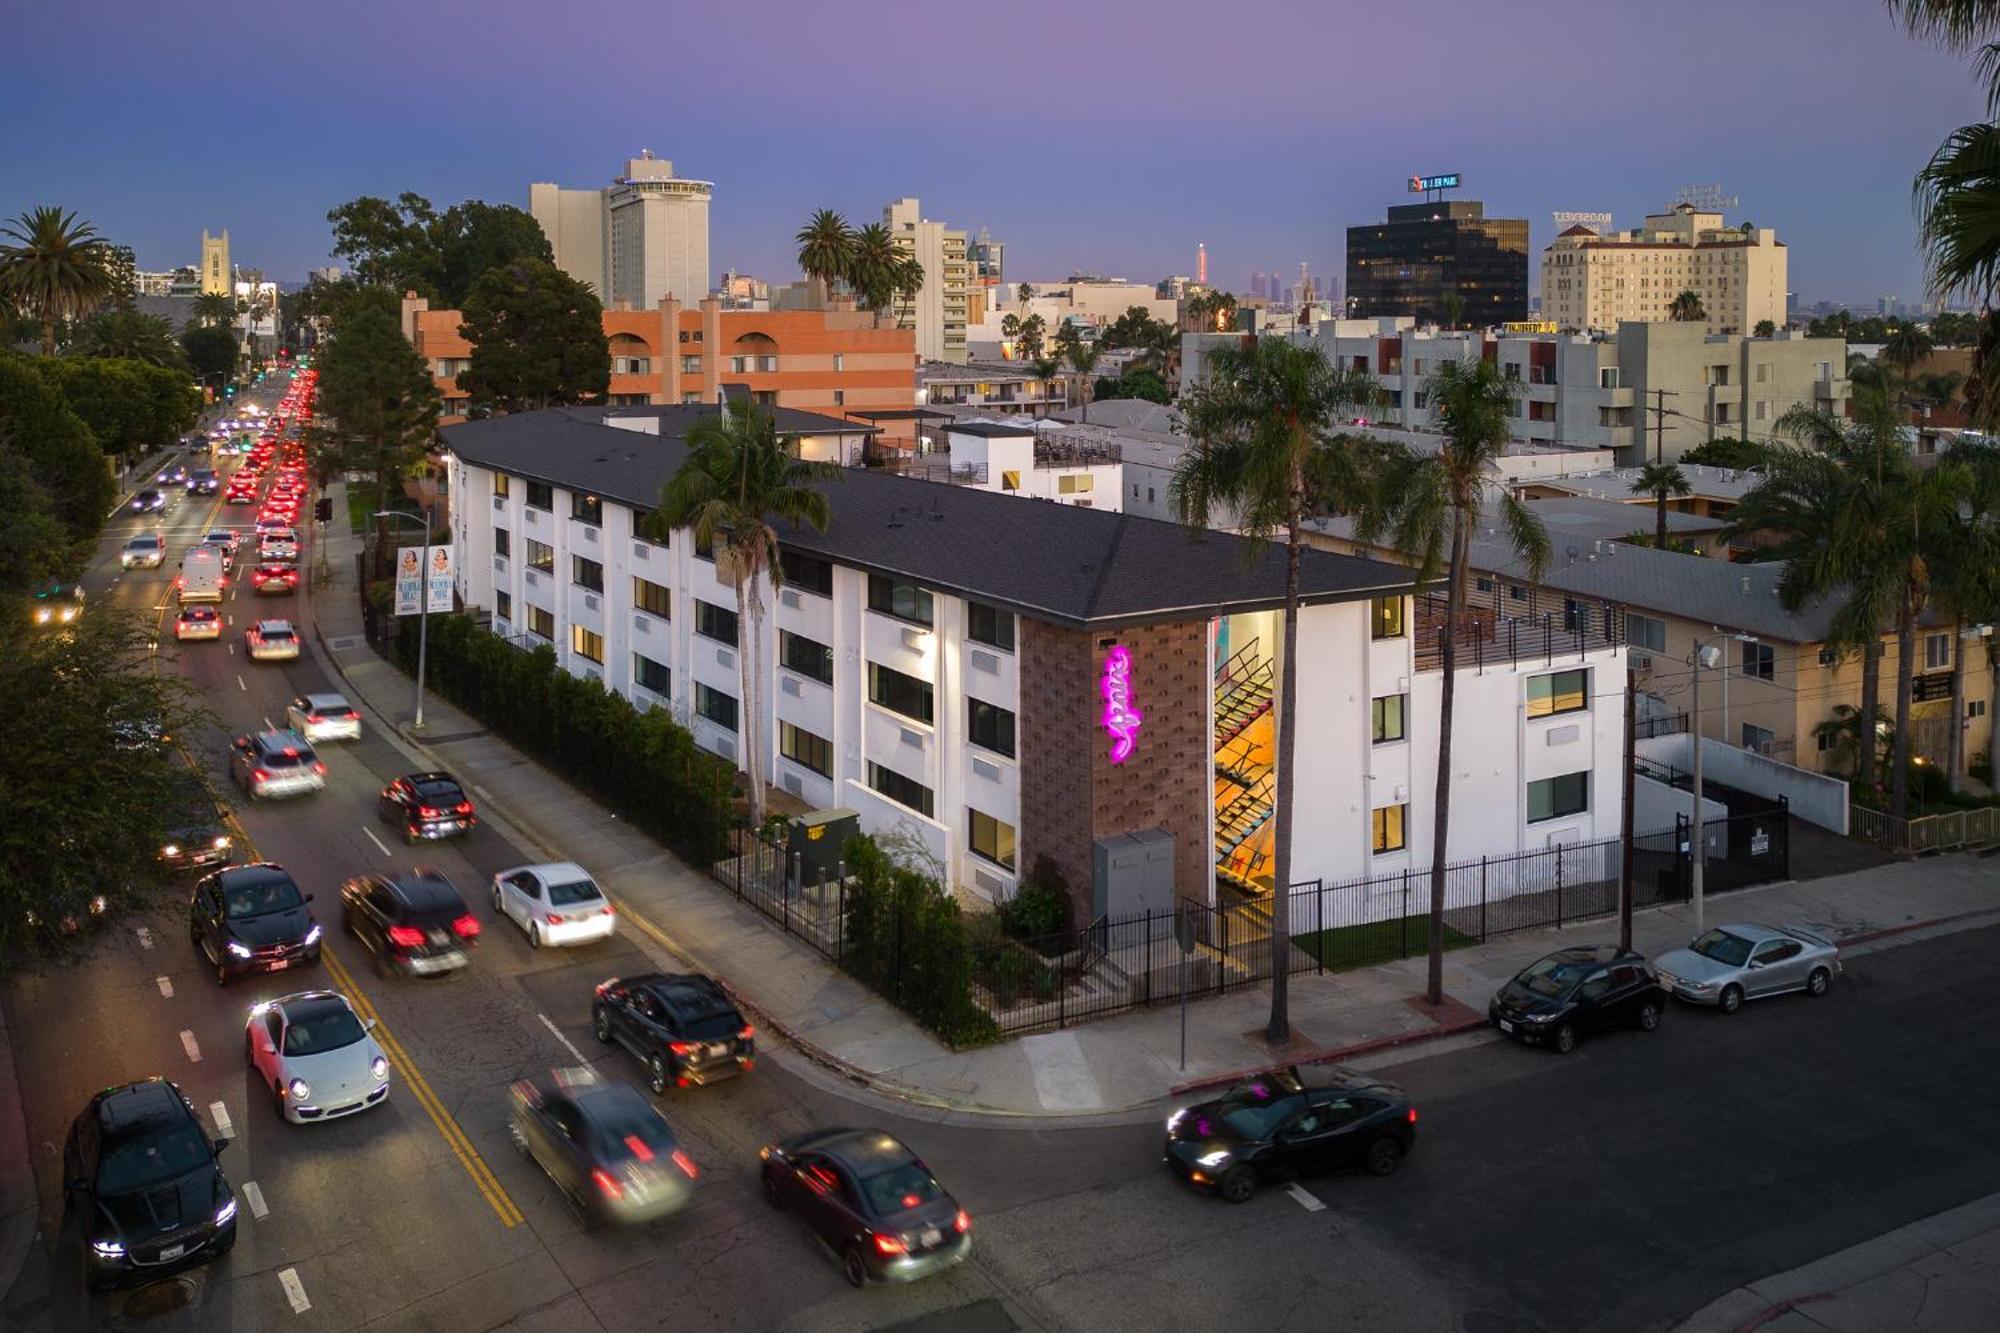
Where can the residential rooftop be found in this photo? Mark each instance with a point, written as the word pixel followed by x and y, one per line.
pixel 1714 483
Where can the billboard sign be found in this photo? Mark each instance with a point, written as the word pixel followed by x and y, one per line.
pixel 1423 184
pixel 416 567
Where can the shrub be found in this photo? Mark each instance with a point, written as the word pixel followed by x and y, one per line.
pixel 906 938
pixel 1040 906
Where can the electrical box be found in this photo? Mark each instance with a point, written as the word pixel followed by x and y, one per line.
pixel 1133 873
pixel 814 841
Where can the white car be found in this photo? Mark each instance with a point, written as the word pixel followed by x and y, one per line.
pixel 147 552
pixel 197 622
pixel 271 641
pixel 316 1056
pixel 227 538
pixel 324 717
pixel 555 903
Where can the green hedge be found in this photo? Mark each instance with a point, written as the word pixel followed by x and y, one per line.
pixel 906 939
pixel 640 762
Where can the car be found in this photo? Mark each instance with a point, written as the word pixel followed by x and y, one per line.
pixel 1288 1122
pixel 226 554
pixel 323 717
pixel 412 921
pixel 870 1200
pixel 316 1056
pixel 145 1183
pixel 174 474
pixel 427 805
pixel 148 501
pixel 268 523
pixel 272 577
pixel 58 604
pixel 1578 990
pixel 203 481
pixel 252 918
pixel 229 539
pixel 278 548
pixel 613 1156
pixel 275 763
pixel 684 1028
pixel 197 622
pixel 1731 964
pixel 198 840
pixel 271 641
pixel 240 495
pixel 144 552
pixel 555 903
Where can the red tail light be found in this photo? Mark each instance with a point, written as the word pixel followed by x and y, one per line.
pixel 319 768
pixel 314 717
pixel 555 918
pixel 426 812
pixel 639 1148
pixel 466 927
pixel 463 808
pixel 609 910
pixel 749 1031
pixel 686 1164
pixel 405 937
pixel 962 1223
pixel 680 1047
pixel 259 775
pixel 1413 1115
pixel 888 1244
pixel 612 1189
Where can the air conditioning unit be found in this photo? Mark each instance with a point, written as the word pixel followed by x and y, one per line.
pixel 534 579
pixel 589 602
pixel 1560 837
pixel 790 597
pixel 1637 660
pixel 534 517
pixel 986 662
pixel 499 564
pixel 993 884
pixel 789 685
pixel 500 504
pixel 1563 735
pixel 909 737
pixel 639 551
pixel 913 639
pixel 792 783
pixel 639 623
pixel 725 746
pixel 592 673
pixel 724 657
pixel 991 772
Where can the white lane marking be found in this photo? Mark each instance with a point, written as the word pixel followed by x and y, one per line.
pixel 232 653
pixel 1063 1081
pixel 220 1115
pixel 188 1045
pixel 484 794
pixel 377 841
pixel 269 727
pixel 145 937
pixel 254 1196
pixel 239 683
pixel 549 1023
pixel 1305 1198
pixel 295 1290
pixel 166 985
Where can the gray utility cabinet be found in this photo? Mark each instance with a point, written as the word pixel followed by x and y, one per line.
pixel 1133 873
pixel 815 843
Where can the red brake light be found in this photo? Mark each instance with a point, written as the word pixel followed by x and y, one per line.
pixel 319 768
pixel 464 808
pixel 680 1047
pixel 611 1188
pixel 963 1222
pixel 405 937
pixel 639 1148
pixel 887 1244
pixel 426 812
pixel 314 717
pixel 1413 1115
pixel 466 927
pixel 259 775
pixel 609 910
pixel 749 1031
pixel 686 1164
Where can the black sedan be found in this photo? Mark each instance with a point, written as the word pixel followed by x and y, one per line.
pixel 611 1154
pixel 252 918
pixel 427 805
pixel 1291 1122
pixel 148 501
pixel 412 921
pixel 141 1176
pixel 870 1201
pixel 684 1028
pixel 1575 991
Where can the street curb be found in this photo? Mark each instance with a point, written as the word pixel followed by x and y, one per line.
pixel 1888 932
pixel 1335 1054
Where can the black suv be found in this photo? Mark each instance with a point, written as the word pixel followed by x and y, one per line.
pixel 413 921
pixel 141 1177
pixel 252 918
pixel 197 833
pixel 1287 1122
pixel 683 1028
pixel 1578 990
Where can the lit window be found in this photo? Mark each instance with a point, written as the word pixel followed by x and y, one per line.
pixel 1385 620
pixel 1389 833
pixel 1388 719
pixel 1559 692
pixel 989 838
pixel 586 644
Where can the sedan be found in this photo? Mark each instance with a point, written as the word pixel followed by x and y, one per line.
pixel 148 501
pixel 271 641
pixel 241 493
pixel 556 903
pixel 1287 1122
pixel 324 717
pixel 227 538
pixel 198 622
pixel 413 921
pixel 142 1177
pixel 145 552
pixel 612 1155
pixel 274 577
pixel 870 1201
pixel 1731 964
pixel 316 1056
pixel 427 806
pixel 174 474
pixel 1556 999
pixel 276 548
pixel 252 918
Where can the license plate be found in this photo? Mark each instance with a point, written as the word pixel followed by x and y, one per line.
pixel 1505 1026
pixel 718 1048
pixel 930 1236
pixel 172 1252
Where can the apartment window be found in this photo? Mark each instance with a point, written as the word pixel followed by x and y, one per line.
pixel 903 791
pixel 691 365
pixel 631 365
pixel 1385 618
pixel 502 484
pixel 541 556
pixel 840 398
pixel 1646 632
pixel 503 605
pixel 1937 652
pixel 1483 583
pixel 541 624
pixel 839 362
pixel 651 675
pixel 541 496
pixel 1759 660
pixel 806 571
pixel 503 542
pixel 767 363
pixel 587 644
pixel 899 598
pixel 1075 484
pixel 1559 692
pixel 654 599
pixel 588 508
pixel 1517 593
pixel 806 656
pixel 1758 739
pixel 1552 798
pixel 739 365
pixel 989 625
pixel 690 397
pixel 989 727
pixel 900 693
pixel 989 838
pixel 1763 409
pixel 1388 712
pixel 1975 708
pixel 1824 742
pixel 805 749
pixel 716 706
pixel 587 573
pixel 1828 656
pixel 1389 832
pixel 714 622
pixel 1763 372
pixel 704 549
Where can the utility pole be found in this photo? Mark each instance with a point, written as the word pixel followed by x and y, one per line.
pixel 1625 822
pixel 1705 654
pixel 1659 411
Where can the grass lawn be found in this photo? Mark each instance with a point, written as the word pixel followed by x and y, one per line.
pixel 1346 947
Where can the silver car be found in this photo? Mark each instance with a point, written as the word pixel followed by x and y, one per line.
pixel 1731 964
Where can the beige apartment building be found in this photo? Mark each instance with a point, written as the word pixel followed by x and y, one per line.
pixel 1593 281
pixel 938 312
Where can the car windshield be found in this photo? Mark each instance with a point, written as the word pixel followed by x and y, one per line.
pixel 1554 977
pixel 276 635
pixel 1725 948
pixel 1255 1117
pixel 143 544
pixel 270 895
pixel 900 1189
pixel 573 892
pixel 149 1156
pixel 328 1031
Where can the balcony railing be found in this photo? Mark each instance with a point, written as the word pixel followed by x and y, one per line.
pixel 1487 637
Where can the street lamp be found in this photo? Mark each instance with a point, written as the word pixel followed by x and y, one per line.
pixel 423 601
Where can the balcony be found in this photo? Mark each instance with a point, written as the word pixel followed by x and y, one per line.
pixel 1489 637
pixel 1830 390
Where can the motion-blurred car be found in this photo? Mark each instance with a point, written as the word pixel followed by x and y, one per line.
pixel 252 918
pixel 684 1028
pixel 323 717
pixel 316 1056
pixel 174 474
pixel 144 552
pixel 197 622
pixel 203 481
pixel 412 921
pixel 148 501
pixel 198 838
pixel 1731 964
pixel 427 806
pixel 870 1201
pixel 1578 990
pixel 1289 1122
pixel 229 539
pixel 275 763
pixel 556 903
pixel 141 1177
pixel 271 641
pixel 603 1145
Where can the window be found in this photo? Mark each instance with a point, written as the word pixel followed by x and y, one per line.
pixel 989 625
pixel 1075 484
pixel 808 572
pixel 989 838
pixel 503 604
pixel 806 656
pixel 1825 742
pixel 690 398
pixel 1389 835
pixel 1646 632
pixel 899 693
pixel 1763 409
pixel 1975 708
pixel 541 624
pixel 716 706
pixel 713 622
pixel 587 573
pixel 1385 618
pixel 1937 652
pixel 1552 798
pixel 899 598
pixel 502 484
pixel 586 508
pixel 691 365
pixel 1763 371
pixel 1517 593
pixel 1559 692
pixel 503 542
pixel 805 749
pixel 1758 660
pixel 542 496
pixel 1758 739
pixel 840 398
pixel 1389 718
pixel 704 550
pixel 586 644
pixel 839 362
pixel 990 727
pixel 653 598
pixel 739 365
pixel 1010 480
pixel 903 791
pixel 1828 656
pixel 650 675
pixel 541 556
pixel 642 521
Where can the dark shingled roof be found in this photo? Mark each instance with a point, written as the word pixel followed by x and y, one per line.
pixel 1059 563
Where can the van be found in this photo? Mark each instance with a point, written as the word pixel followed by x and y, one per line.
pixel 201 578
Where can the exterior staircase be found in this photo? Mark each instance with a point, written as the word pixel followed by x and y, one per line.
pixel 1243 691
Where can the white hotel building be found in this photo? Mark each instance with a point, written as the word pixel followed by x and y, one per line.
pixel 1011 679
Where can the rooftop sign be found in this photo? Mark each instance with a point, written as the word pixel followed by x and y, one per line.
pixel 1423 184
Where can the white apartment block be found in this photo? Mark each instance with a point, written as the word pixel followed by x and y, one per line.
pixel 1592 281
pixel 938 311
pixel 637 241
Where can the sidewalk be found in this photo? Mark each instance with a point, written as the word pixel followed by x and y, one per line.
pixel 1114 1065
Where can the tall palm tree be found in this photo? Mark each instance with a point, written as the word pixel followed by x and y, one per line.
pixel 1430 506
pixel 1968 582
pixel 1662 480
pixel 826 248
pixel 1032 330
pixel 1982 386
pixel 1264 444
pixel 1687 309
pixel 56 268
pixel 875 266
pixel 1024 294
pixel 215 309
pixel 1923 509
pixel 737 481
pixel 1454 310
pixel 1010 326
pixel 1083 357
pixel 1958 191
pixel 1909 344
pixel 1047 368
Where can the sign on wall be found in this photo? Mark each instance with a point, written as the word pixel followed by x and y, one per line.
pixel 417 566
pixel 1120 719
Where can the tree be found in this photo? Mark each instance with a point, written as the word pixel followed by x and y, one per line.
pixel 1958 191
pixel 131 336
pixel 211 352
pixel 826 250
pixel 737 481
pixel 1765 329
pixel 1662 479
pixel 1687 309
pixel 875 267
pixel 378 392
pixel 128 405
pixel 1968 579
pixel 1724 451
pixel 1010 326
pixel 34 545
pixel 1138 381
pixel 1454 309
pixel 1952 328
pixel 1430 505
pixel 1906 346
pixel 387 244
pixel 1982 386
pixel 1024 293
pixel 1264 445
pixel 537 339
pixel 62 455
pixel 214 310
pixel 56 269
pixel 1047 368
pixel 1083 358
pixel 471 239
pixel 1030 337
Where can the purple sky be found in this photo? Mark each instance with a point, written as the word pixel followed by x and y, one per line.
pixel 1109 137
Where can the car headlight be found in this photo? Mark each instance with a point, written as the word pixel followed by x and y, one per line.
pixel 1537 1018
pixel 300 1089
pixel 238 950
pixel 312 936
pixel 1699 985
pixel 379 1066
pixel 41 615
pixel 1174 1120
pixel 1213 1159
pixel 221 841
pixel 108 1249
pixel 227 1211
pixel 171 849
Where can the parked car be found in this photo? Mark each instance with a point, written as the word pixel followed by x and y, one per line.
pixel 613 1156
pixel 275 763
pixel 271 641
pixel 556 903
pixel 1575 991
pixel 197 622
pixel 252 918
pixel 427 805
pixel 1289 1122
pixel 684 1028
pixel 316 1056
pixel 870 1200
pixel 143 552
pixel 143 1180
pixel 412 921
pixel 1731 964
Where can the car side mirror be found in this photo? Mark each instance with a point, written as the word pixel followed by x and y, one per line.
pixel 367 1025
pixel 219 1144
pixel 1756 963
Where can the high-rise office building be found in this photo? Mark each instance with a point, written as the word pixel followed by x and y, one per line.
pixel 938 310
pixel 640 239
pixel 1408 264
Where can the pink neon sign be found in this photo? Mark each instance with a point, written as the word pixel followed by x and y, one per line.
pixel 1120 718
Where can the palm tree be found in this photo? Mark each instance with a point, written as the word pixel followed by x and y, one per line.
pixel 1968 582
pixel 1010 326
pixel 1430 506
pixel 1765 329
pixel 56 269
pixel 1263 444
pixel 1032 329
pixel 1687 309
pixel 1909 344
pixel 1982 406
pixel 1083 358
pixel 1662 479
pixel 826 248
pixel 1454 310
pixel 1958 190
pixel 1046 368
pixel 875 267
pixel 215 309
pixel 737 480
pixel 130 335
pixel 1024 294
pixel 1923 509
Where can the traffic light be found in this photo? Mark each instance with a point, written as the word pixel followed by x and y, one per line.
pixel 229 391
pixel 323 509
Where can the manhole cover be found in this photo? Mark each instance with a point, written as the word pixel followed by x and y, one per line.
pixel 158 1298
